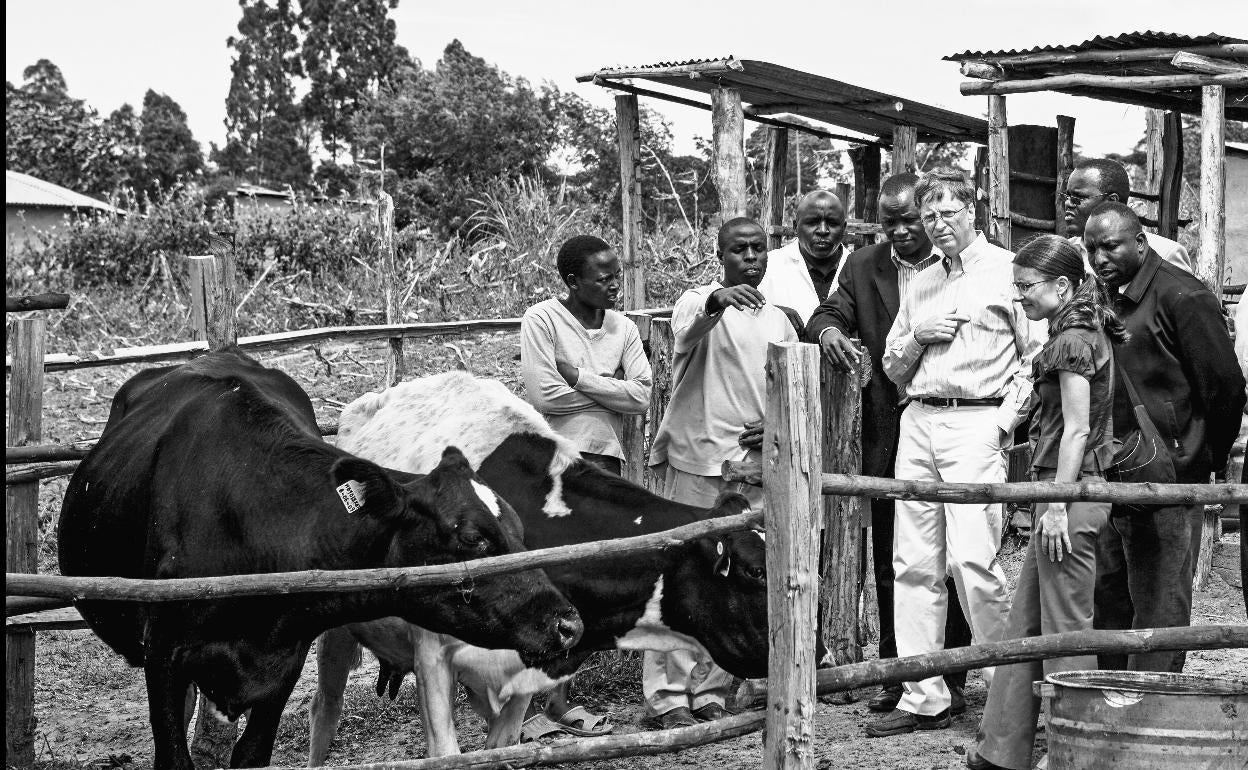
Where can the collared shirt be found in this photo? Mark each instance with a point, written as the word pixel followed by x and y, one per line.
pixel 990 355
pixel 824 278
pixel 907 271
pixel 789 281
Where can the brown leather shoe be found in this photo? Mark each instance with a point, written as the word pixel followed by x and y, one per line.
pixel 975 762
pixel 710 712
pixel 900 722
pixel 886 699
pixel 680 716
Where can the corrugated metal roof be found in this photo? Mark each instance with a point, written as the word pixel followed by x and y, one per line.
pixel 25 190
pixel 1127 40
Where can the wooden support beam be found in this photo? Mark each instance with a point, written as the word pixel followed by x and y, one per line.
pixel 776 168
pixel 695 70
pixel 1023 176
pixel 983 183
pixel 21 304
pixel 1035 223
pixel 792 458
pixel 1065 165
pixel 840 581
pixel 662 348
pixel 1210 533
pixel 1138 54
pixel 21 536
pixel 1193 62
pixel 395 366
pixel 905 149
pixel 628 128
pixel 866 162
pixel 1144 82
pixel 1213 182
pixel 998 171
pixel 1171 175
pixel 728 139
pixel 633 440
pixel 982 70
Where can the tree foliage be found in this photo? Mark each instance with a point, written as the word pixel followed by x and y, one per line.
pixel 170 152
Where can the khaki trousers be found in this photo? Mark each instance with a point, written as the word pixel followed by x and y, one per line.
pixel 934 540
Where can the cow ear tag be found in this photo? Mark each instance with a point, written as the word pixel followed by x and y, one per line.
pixel 351 492
pixel 723 564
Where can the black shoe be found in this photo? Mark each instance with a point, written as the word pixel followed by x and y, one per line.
pixel 957 701
pixel 677 717
pixel 886 699
pixel 900 722
pixel 841 698
pixel 975 762
pixel 710 712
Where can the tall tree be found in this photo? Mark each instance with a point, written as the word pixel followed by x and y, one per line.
pixel 348 51
pixel 169 149
pixel 262 120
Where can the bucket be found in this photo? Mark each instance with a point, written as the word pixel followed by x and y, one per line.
pixel 1129 720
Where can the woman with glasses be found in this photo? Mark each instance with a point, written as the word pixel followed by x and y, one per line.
pixel 1071 439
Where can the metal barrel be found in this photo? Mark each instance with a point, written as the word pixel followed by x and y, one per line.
pixel 1141 720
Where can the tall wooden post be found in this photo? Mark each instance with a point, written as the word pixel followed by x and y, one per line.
pixel 628 129
pixel 905 150
pixel 395 367
pixel 773 184
pixel 998 171
pixel 662 346
pixel 982 184
pixel 1065 164
pixel 1171 175
pixel 1213 182
pixel 728 138
pixel 210 317
pixel 792 488
pixel 634 438
pixel 21 551
pixel 866 160
pixel 1154 129
pixel 842 575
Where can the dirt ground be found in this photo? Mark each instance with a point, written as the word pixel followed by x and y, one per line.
pixel 91 708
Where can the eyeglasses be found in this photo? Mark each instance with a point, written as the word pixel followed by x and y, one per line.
pixel 1079 200
pixel 929 220
pixel 1023 288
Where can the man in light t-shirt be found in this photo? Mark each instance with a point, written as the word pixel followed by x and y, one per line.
pixel 718 395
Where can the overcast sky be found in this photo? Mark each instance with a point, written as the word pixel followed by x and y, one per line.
pixel 112 52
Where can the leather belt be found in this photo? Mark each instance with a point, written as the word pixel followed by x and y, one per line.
pixel 956 402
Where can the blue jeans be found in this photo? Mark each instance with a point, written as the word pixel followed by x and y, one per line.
pixel 1144 580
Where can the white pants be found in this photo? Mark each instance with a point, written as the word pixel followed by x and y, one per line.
pixel 680 678
pixel 933 540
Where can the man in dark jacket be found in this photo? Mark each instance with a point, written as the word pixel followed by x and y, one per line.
pixel 864 305
pixel 1183 366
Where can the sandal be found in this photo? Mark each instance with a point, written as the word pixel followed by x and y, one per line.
pixel 537 727
pixel 580 722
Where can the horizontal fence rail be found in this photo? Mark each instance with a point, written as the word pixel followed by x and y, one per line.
pixel 338 581
pixel 59 362
pixel 1009 492
pixel 22 303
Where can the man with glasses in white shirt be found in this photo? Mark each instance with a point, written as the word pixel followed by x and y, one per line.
pixel 960 353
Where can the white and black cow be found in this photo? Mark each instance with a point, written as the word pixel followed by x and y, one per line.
pixel 216 467
pixel 708 595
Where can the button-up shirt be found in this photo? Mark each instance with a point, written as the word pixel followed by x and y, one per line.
pixel 907 271
pixel 990 354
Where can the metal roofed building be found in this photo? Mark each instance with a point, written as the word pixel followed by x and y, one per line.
pixel 33 208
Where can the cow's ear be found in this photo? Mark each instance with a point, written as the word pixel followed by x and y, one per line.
pixel 730 504
pixel 365 488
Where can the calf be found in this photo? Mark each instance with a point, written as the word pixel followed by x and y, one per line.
pixel 216 467
pixel 708 595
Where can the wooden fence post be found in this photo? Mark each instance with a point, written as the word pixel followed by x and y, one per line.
pixel 1213 182
pixel 1065 165
pixel 983 183
pixel 792 489
pixel 998 171
pixel 395 368
pixel 728 139
pixel 773 184
pixel 841 572
pixel 905 150
pixel 212 311
pixel 662 346
pixel 866 160
pixel 1171 175
pixel 634 438
pixel 628 129
pixel 21 552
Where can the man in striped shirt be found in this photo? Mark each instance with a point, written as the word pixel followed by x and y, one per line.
pixel 960 353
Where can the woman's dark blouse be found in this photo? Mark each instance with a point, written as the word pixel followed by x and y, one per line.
pixel 1088 353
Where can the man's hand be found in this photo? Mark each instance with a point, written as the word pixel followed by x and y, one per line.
pixel 837 348
pixel 752 436
pixel 568 372
pixel 939 328
pixel 742 297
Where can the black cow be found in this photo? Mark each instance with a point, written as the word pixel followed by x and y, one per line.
pixel 709 594
pixel 216 467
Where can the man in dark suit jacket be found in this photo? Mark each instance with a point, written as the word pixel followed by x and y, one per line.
pixel 864 305
pixel 1182 363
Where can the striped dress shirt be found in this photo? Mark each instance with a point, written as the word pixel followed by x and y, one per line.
pixel 906 271
pixel 989 356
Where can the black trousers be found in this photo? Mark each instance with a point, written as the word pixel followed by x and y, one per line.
pixel 957 630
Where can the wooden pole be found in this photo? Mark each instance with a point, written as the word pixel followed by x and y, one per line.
pixel 866 162
pixel 628 131
pixel 1148 82
pixel 203 277
pixel 773 184
pixel 36 302
pixel 728 139
pixel 224 307
pixel 905 149
pixel 1065 164
pixel 662 347
pixel 395 367
pixel 1154 155
pixel 1196 63
pixel 998 171
pixel 634 438
pixel 791 459
pixel 1210 525
pixel 1138 54
pixel 21 542
pixel 841 575
pixel 983 182
pixel 1171 175
pixel 1213 183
